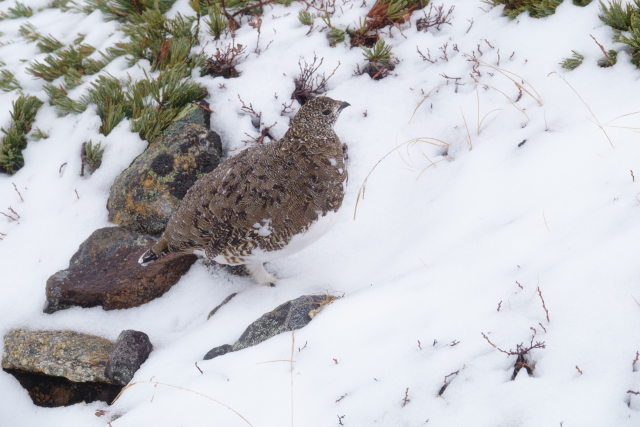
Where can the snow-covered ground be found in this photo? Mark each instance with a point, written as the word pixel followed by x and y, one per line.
pixel 448 244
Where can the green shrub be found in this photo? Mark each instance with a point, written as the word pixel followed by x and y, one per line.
pixel 23 113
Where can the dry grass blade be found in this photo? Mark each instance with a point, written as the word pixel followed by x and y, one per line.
pixel 177 387
pixel 427 140
pixel 596 121
pixel 533 93
pixel 424 98
pixel 464 119
pixel 508 99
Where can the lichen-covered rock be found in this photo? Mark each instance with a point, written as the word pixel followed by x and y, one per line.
pixel 65 367
pixel 291 315
pixel 131 350
pixel 105 272
pixel 72 355
pixel 144 196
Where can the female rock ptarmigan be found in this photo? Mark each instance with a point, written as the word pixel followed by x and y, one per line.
pixel 267 201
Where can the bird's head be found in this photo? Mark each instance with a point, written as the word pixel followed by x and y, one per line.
pixel 318 112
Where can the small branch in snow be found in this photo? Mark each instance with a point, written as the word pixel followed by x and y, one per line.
pixel 22 200
pixel 633 177
pixel 196 363
pixel 447 380
pixel 340 418
pixel 419 345
pixel 338 400
pixel 634 366
pixel 336 361
pixel 543 304
pixel 519 285
pixel 61 168
pixel 579 370
pixel 12 216
pixel 226 300
pixel 77 195
pixel 543 328
pixel 405 399
pixel 470 25
pixel 454 343
pixel 604 51
pixel 499 306
pixel 303 347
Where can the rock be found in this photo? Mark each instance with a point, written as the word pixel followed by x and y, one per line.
pixel 105 272
pixel 64 367
pixel 131 350
pixel 72 355
pixel 291 315
pixel 144 196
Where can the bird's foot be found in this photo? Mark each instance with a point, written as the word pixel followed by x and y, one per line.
pixel 260 275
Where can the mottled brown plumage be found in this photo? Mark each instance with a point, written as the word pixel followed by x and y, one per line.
pixel 248 209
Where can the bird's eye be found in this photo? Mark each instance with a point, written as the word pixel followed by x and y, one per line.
pixel 326 112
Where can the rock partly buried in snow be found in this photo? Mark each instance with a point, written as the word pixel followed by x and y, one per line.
pixel 131 350
pixel 291 315
pixel 144 196
pixel 64 367
pixel 105 272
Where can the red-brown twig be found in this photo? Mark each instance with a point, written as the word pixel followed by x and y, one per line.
pixel 543 304
pixel 22 200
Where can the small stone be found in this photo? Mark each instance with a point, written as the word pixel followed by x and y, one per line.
pixel 105 272
pixel 131 350
pixel 291 315
pixel 144 196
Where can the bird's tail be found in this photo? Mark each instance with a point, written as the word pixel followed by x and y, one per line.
pixel 154 253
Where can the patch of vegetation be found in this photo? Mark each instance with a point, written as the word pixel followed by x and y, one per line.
pixel 582 2
pixel 59 98
pixel 625 20
pixel 217 22
pixel 223 62
pixel 107 94
pixel 155 103
pixel 8 81
pixel 380 61
pixel 572 62
pixel 91 156
pixel 164 42
pixel 608 60
pixel 536 8
pixel 19 10
pixel 124 10
pixel 23 113
pixel 305 18
pixel 72 63
pixel 46 44
pixel 618 15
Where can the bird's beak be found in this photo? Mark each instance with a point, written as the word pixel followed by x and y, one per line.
pixel 343 105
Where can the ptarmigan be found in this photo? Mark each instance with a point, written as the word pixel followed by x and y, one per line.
pixel 267 201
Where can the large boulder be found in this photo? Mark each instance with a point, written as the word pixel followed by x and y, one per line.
pixel 144 196
pixel 105 272
pixel 64 367
pixel 291 315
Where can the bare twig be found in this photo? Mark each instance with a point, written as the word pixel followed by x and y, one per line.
pixel 22 200
pixel 405 399
pixel 579 370
pixel 447 380
pixel 224 301
pixel 198 367
pixel 543 304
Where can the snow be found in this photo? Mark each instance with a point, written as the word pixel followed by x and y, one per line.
pixel 444 246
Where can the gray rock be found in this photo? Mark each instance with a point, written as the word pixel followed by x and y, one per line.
pixel 72 355
pixel 105 272
pixel 144 196
pixel 64 367
pixel 291 315
pixel 131 350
